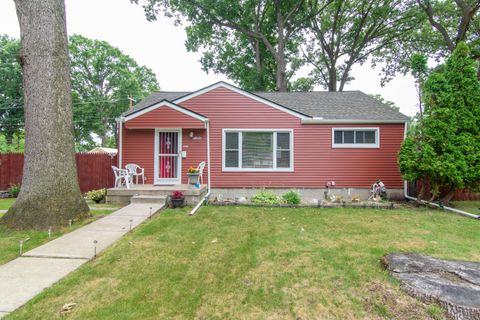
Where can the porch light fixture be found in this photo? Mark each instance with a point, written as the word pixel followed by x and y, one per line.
pixel 191 134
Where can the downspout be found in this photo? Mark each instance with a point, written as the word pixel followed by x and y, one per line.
pixel 120 141
pixel 463 213
pixel 405 194
pixel 205 199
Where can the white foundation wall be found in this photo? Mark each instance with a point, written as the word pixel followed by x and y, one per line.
pixel 309 196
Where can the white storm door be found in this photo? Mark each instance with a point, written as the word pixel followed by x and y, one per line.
pixel 168 160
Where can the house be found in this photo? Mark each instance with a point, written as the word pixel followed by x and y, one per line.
pixel 278 140
pixel 109 151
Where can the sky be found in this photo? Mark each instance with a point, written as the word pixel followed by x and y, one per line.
pixel 161 46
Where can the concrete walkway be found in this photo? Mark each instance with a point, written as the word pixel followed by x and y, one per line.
pixel 25 277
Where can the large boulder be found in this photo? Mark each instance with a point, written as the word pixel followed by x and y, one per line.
pixel 454 285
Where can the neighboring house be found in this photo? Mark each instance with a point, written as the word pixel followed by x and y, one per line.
pixel 109 151
pixel 299 140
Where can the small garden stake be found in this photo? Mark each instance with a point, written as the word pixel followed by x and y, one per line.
pixel 95 248
pixel 21 247
pixel 131 224
pixel 49 232
pixel 70 223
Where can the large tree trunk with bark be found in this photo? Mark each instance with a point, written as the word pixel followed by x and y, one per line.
pixel 50 194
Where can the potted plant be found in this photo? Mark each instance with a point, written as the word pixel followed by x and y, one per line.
pixel 193 175
pixel 177 199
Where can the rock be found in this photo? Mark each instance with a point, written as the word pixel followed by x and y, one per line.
pixel 454 285
pixel 68 307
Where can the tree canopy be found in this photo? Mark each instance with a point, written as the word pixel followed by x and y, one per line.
pixel 264 34
pixel 103 79
pixel 347 33
pixel 445 147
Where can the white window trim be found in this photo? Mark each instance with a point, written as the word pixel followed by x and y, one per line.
pixel 357 145
pixel 274 142
pixel 156 179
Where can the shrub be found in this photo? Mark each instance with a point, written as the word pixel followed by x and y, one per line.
pixel 97 196
pixel 292 197
pixel 177 195
pixel 14 190
pixel 266 197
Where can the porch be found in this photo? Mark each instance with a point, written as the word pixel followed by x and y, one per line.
pixel 123 195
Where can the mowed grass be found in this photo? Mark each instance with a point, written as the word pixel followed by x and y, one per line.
pixel 6 203
pixel 10 239
pixel 260 263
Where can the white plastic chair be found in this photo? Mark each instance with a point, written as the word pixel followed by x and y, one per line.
pixel 121 177
pixel 135 171
pixel 200 168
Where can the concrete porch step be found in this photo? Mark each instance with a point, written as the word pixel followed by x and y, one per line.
pixel 147 199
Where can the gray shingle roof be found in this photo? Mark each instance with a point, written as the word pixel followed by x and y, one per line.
pixel 346 105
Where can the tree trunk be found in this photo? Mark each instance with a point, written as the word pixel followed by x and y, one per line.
pixel 50 194
pixel 332 79
pixel 421 193
pixel 9 137
pixel 280 57
pixel 448 196
pixel 282 75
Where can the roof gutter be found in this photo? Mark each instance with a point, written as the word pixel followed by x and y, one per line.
pixel 120 120
pixel 319 120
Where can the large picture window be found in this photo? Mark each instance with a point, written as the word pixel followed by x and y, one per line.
pixel 257 150
pixel 355 137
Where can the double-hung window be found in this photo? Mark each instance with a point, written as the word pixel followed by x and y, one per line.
pixel 257 150
pixel 355 137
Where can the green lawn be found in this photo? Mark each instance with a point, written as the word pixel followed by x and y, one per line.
pixel 9 240
pixel 260 263
pixel 468 206
pixel 6 203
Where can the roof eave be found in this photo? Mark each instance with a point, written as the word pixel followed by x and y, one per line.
pixel 349 121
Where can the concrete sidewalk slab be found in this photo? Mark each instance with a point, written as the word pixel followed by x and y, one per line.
pixel 79 244
pixel 138 209
pixel 23 278
pixel 76 245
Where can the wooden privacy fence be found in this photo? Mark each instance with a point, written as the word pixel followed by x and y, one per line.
pixel 94 170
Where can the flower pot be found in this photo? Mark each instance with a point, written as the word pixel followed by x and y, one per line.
pixel 193 178
pixel 177 202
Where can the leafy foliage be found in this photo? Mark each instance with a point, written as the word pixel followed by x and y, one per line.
pixel 97 196
pixel 14 190
pixel 103 78
pixel 347 33
pixel 292 197
pixel 11 91
pixel 266 197
pixel 445 147
pixel 387 103
pixel 254 42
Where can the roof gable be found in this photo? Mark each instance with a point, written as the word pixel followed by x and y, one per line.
pixel 168 104
pixel 243 93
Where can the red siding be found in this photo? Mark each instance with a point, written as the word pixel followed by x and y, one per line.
pixel 315 161
pixel 138 147
pixel 164 117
